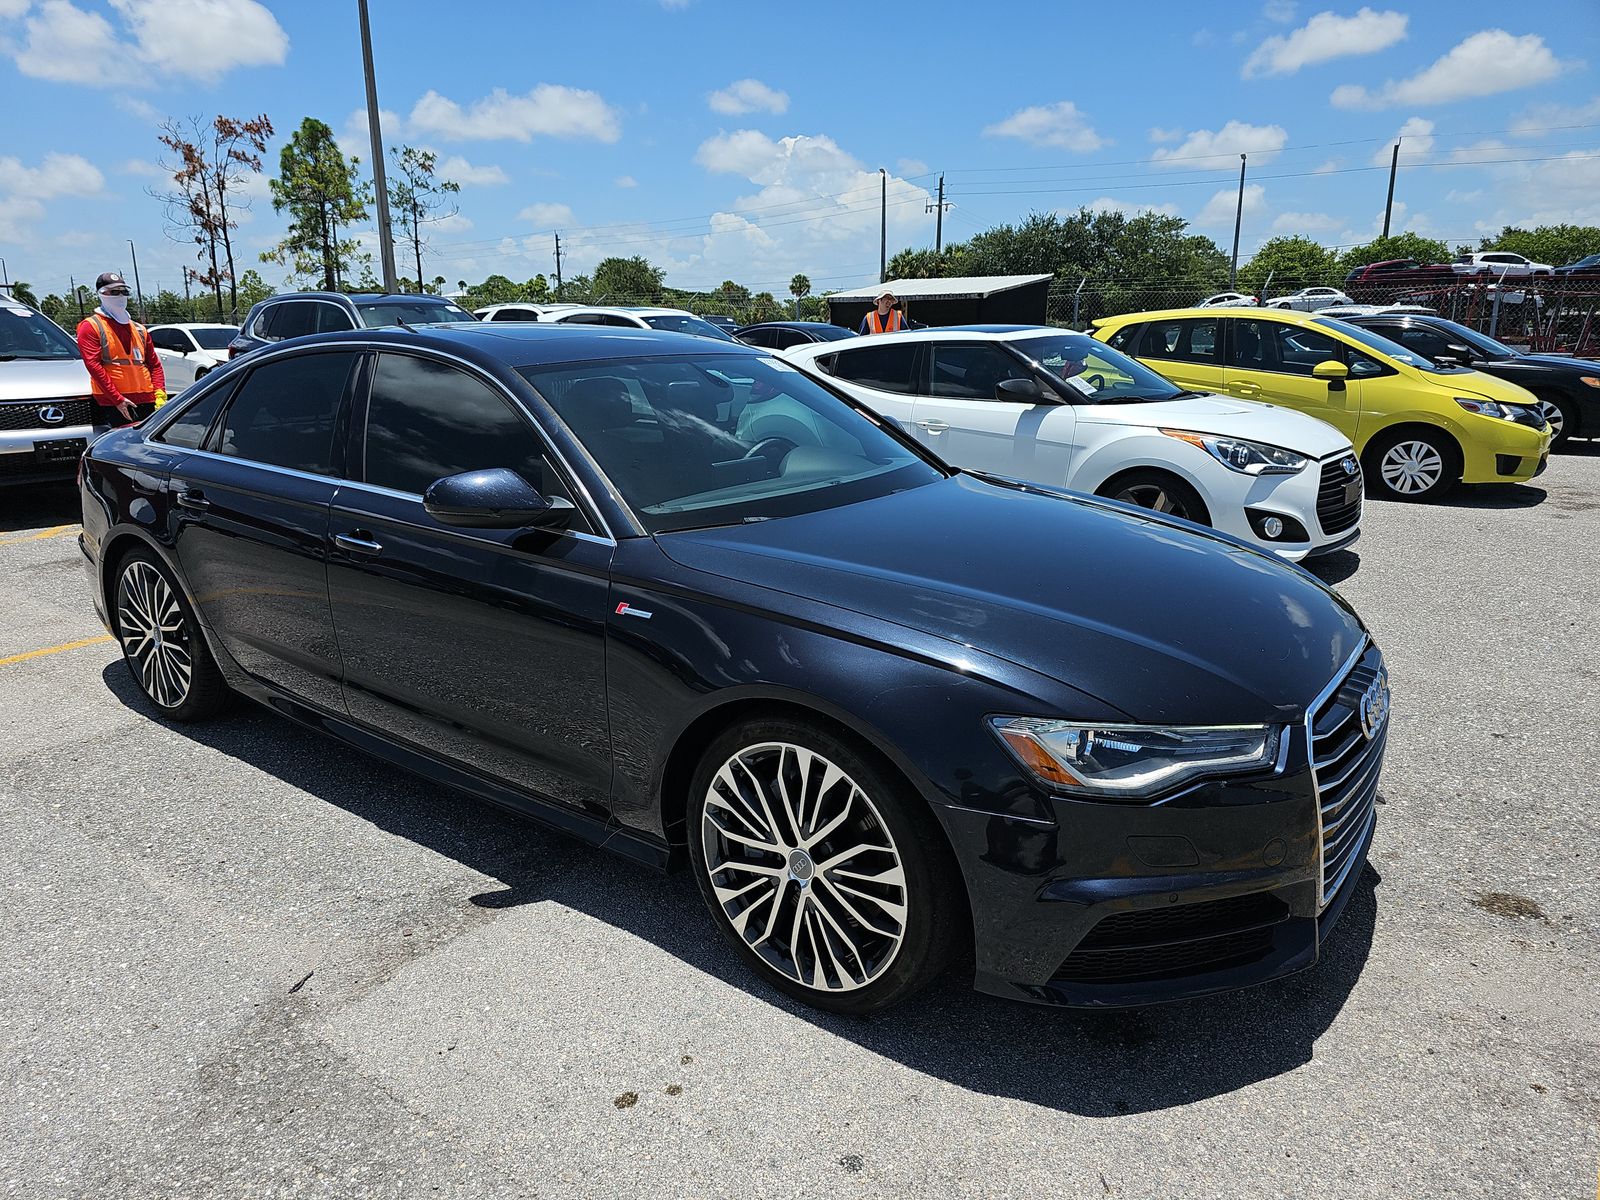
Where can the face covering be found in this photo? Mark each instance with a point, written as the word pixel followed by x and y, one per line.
pixel 116 307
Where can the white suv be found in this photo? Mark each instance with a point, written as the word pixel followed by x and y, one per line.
pixel 672 320
pixel 1057 407
pixel 522 312
pixel 1499 263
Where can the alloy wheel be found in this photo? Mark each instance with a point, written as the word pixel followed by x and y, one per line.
pixel 1553 417
pixel 154 634
pixel 804 867
pixel 1411 467
pixel 1154 496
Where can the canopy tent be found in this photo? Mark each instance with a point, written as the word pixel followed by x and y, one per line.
pixel 969 300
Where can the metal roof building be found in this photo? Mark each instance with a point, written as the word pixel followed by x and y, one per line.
pixel 966 300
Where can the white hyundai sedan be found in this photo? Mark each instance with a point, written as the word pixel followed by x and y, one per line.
pixel 1056 407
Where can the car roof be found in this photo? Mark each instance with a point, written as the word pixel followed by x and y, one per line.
pixel 526 344
pixel 629 310
pixel 784 325
pixel 360 297
pixel 194 325
pixel 1284 316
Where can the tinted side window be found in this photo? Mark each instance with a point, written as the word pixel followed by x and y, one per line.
pixel 169 339
pixel 1284 349
pixel 1124 338
pixel 295 318
pixel 284 413
pixel 887 368
pixel 264 323
pixel 759 337
pixel 333 319
pixel 972 372
pixel 583 319
pixel 427 420
pixel 1189 340
pixel 189 428
pixel 784 338
pixel 1429 343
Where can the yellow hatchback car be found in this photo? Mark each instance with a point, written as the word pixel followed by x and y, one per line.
pixel 1418 428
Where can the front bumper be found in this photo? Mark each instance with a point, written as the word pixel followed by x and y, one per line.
pixel 1312 505
pixel 1227 885
pixel 1504 452
pixel 36 455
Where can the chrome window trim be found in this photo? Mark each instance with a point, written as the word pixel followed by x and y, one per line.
pixel 1311 755
pixel 377 489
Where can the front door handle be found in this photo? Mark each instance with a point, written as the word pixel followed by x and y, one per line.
pixel 194 501
pixel 358 542
pixel 1245 389
pixel 934 426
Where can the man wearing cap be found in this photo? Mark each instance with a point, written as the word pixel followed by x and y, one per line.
pixel 124 372
pixel 886 318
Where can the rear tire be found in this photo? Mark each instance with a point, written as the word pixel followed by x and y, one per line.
pixel 162 643
pixel 1411 464
pixel 1159 491
pixel 825 871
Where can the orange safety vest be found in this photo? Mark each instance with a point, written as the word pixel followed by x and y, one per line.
pixel 128 363
pixel 892 324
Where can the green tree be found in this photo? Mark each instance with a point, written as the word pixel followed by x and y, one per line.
pixel 420 197
pixel 1398 245
pixel 496 289
pixel 799 288
pixel 764 307
pixel 628 281
pixel 321 190
pixel 536 290
pixel 24 292
pixel 1291 263
pixel 1553 244
pixel 252 289
pixel 731 298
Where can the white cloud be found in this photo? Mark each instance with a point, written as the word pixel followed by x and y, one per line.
pixel 746 96
pixel 1327 168
pixel 1059 124
pixel 143 167
pixel 459 170
pixel 57 175
pixel 10 10
pixel 1416 139
pixel 1128 208
pixel 454 223
pixel 1485 64
pixel 1304 223
pixel 189 39
pixel 1281 11
pixel 1160 135
pixel 1555 117
pixel 626 181
pixel 546 216
pixel 1261 142
pixel 1324 37
pixel 908 167
pixel 1218 212
pixel 549 110
pixel 17 214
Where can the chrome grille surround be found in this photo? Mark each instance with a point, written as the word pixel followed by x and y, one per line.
pixel 1346 761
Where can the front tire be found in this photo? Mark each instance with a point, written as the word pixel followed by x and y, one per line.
pixel 1412 464
pixel 1160 492
pixel 161 641
pixel 822 868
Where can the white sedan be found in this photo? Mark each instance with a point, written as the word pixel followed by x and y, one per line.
pixel 1056 407
pixel 1229 300
pixel 1310 299
pixel 673 320
pixel 189 350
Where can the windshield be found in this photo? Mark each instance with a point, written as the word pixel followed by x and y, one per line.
pixel 695 441
pixel 1091 372
pixel 214 337
pixel 671 323
pixel 380 313
pixel 25 333
pixel 1383 346
pixel 1481 342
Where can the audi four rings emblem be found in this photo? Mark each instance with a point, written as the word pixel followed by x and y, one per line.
pixel 1375 705
pixel 51 415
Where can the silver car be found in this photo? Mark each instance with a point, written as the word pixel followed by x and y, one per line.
pixel 1310 299
pixel 47 414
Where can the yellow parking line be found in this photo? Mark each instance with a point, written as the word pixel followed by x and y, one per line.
pixel 42 535
pixel 78 645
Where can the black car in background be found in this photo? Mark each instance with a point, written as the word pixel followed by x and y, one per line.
pixel 780 335
pixel 1568 388
pixel 300 314
pixel 884 710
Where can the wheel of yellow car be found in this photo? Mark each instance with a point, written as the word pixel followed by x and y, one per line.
pixel 1412 464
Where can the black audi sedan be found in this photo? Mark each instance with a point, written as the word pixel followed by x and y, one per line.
pixel 780 335
pixel 679 599
pixel 1568 389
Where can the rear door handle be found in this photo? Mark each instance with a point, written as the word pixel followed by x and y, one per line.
pixel 193 501
pixel 934 426
pixel 358 542
pixel 1246 389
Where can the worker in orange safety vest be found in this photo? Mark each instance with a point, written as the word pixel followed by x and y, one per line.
pixel 885 318
pixel 125 373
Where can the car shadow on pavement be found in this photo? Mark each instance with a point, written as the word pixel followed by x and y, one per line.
pixel 1492 495
pixel 40 506
pixel 1092 1063
pixel 1333 568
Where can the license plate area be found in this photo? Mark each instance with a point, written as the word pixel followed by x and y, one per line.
pixel 60 450
pixel 1352 492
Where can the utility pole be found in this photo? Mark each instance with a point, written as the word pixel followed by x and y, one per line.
pixel 76 295
pixel 138 289
pixel 1238 220
pixel 938 224
pixel 558 266
pixel 385 232
pixel 1394 165
pixel 5 277
pixel 883 229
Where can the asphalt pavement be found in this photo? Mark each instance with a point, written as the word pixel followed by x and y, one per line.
pixel 242 960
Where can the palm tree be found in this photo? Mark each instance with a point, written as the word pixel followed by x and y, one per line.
pixel 799 286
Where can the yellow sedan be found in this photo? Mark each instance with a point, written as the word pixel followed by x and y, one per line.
pixel 1419 428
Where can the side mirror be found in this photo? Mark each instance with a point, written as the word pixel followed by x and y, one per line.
pixel 1460 353
pixel 494 499
pixel 1333 371
pixel 1020 391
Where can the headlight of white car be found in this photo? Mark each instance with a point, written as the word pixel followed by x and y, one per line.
pixel 1249 458
pixel 1133 762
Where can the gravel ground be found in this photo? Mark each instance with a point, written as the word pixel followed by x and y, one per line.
pixel 244 961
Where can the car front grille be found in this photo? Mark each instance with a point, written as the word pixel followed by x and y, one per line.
pixel 26 415
pixel 1334 513
pixel 1185 939
pixel 1347 758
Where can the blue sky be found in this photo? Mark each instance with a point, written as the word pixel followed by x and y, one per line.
pixel 744 141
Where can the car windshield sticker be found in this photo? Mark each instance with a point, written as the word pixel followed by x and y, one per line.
pixel 777 364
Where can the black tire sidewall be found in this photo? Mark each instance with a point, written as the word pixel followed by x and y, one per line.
pixel 1569 419
pixel 1372 465
pixel 934 914
pixel 1200 514
pixel 207 689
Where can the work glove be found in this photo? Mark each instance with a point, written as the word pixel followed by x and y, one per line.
pixel 161 397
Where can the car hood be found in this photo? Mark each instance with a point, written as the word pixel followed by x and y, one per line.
pixel 1227 418
pixel 1586 366
pixel 56 379
pixel 1488 387
pixel 1160 620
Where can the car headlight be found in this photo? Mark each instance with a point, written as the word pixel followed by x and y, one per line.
pixel 1249 458
pixel 1591 380
pixel 1133 762
pixel 1487 408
